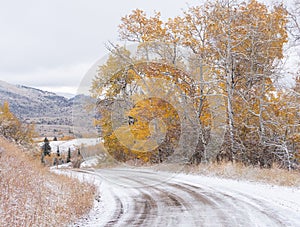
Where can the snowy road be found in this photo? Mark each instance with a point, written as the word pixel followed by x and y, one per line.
pixel 141 197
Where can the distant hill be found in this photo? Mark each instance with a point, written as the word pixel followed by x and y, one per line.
pixel 54 115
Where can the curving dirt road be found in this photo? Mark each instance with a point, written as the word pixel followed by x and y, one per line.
pixel 141 197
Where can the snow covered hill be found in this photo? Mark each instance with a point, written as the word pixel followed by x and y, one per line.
pixel 30 102
pixel 51 113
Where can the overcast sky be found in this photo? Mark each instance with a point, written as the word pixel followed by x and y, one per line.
pixel 51 44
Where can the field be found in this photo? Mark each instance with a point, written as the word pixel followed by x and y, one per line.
pixel 31 195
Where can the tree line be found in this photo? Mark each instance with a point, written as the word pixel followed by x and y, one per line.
pixel 58 158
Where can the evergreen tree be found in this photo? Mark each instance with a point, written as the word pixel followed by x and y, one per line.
pixel 58 152
pixel 42 158
pixel 69 155
pixel 55 161
pixel 46 147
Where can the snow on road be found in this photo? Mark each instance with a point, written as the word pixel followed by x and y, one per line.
pixel 142 197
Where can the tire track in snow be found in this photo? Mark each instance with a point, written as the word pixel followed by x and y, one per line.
pixel 145 198
pixel 148 205
pixel 118 213
pixel 158 199
pixel 250 207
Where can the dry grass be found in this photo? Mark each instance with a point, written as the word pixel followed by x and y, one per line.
pixel 93 150
pixel 30 195
pixel 275 175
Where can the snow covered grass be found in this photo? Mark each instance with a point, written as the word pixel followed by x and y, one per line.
pixel 93 150
pixel 275 175
pixel 30 195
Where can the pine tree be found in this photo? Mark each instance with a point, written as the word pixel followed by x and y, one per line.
pixel 46 147
pixel 69 155
pixel 46 150
pixel 58 152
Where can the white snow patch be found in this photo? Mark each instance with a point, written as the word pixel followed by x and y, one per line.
pixel 288 197
pixel 90 162
pixel 72 144
pixel 62 166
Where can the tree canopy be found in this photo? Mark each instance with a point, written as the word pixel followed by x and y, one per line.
pixel 224 58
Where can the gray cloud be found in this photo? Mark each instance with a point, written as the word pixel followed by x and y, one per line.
pixel 42 40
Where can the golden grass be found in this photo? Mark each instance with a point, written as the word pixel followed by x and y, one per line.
pixel 275 175
pixel 30 195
